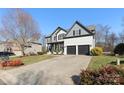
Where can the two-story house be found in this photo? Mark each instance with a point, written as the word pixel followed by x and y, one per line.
pixel 78 40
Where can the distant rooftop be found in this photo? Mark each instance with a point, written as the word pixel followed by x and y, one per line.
pixel 91 27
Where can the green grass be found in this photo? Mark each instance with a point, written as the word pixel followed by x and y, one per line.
pixel 33 59
pixel 98 61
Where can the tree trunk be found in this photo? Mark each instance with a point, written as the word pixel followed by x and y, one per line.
pixel 23 53
pixel 22 50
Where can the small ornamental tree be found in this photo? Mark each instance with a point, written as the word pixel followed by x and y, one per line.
pixel 119 49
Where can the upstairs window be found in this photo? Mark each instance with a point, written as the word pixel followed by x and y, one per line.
pixel 79 31
pixel 48 40
pixel 74 33
pixel 93 36
pixel 61 36
pixel 55 38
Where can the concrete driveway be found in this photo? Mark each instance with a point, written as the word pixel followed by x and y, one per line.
pixel 58 70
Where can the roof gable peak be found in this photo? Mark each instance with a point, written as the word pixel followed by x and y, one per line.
pixel 84 27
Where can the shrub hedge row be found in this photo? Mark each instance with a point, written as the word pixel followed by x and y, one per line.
pixel 107 75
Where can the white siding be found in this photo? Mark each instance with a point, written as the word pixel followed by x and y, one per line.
pixel 33 49
pixel 17 53
pixel 48 40
pixel 55 34
pixel 60 32
pixel 87 40
pixel 76 28
pixel 2 47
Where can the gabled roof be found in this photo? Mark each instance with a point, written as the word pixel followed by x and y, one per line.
pixel 58 28
pixel 35 43
pixel 91 28
pixel 88 29
pixel 84 27
pixel 77 22
pixel 47 36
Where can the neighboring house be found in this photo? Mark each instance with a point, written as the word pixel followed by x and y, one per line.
pixel 33 48
pixel 8 46
pixel 13 47
pixel 78 40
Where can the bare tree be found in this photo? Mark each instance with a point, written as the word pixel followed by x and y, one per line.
pixel 44 49
pixel 102 36
pixel 121 37
pixel 112 39
pixel 102 33
pixel 106 34
pixel 99 34
pixel 20 26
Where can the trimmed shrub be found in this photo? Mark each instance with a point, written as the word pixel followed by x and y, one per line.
pixel 16 63
pixel 108 75
pixel 96 51
pixel 119 49
pixel 12 63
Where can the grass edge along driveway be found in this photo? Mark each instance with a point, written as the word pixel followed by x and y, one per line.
pixel 99 61
pixel 33 59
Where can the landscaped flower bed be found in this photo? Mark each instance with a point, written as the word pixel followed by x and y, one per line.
pixel 11 63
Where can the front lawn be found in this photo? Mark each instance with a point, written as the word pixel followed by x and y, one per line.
pixel 33 59
pixel 27 60
pixel 98 61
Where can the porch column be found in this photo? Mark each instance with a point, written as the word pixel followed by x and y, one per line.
pixel 65 50
pixel 48 46
pixel 76 49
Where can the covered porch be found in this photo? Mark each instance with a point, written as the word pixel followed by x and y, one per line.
pixel 56 48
